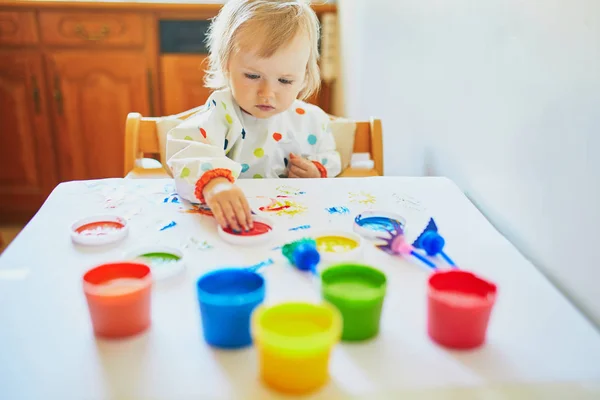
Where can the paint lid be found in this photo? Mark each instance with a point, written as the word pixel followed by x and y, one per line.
pixel 376 224
pixel 99 230
pixel 262 232
pixel 334 246
pixel 164 261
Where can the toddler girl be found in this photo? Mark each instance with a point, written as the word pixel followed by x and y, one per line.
pixel 263 56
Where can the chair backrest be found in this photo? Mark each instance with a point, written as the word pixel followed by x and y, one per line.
pixel 141 139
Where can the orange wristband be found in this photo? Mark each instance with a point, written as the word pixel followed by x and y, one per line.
pixel 321 169
pixel 209 176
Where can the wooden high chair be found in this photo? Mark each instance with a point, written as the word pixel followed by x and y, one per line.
pixel 142 140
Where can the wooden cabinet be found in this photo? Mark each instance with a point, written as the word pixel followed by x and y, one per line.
pixel 84 28
pixel 17 28
pixel 92 94
pixel 27 167
pixel 182 82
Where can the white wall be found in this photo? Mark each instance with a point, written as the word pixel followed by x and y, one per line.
pixel 502 96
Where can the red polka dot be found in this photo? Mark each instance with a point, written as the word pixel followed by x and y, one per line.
pixel 277 136
pixel 300 111
pixel 203 132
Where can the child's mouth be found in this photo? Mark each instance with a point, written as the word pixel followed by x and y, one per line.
pixel 265 107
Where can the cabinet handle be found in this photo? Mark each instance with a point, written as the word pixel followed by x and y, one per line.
pixel 35 92
pixel 83 33
pixel 150 92
pixel 58 96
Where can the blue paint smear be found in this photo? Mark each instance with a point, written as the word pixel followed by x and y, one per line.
pixel 169 225
pixel 261 264
pixel 379 224
pixel 338 210
pixel 299 228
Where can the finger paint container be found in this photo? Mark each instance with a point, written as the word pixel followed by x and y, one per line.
pixel 294 342
pixel 227 298
pixel 459 308
pixel 358 291
pixel 118 296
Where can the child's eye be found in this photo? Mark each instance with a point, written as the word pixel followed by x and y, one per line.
pixel 285 81
pixel 252 76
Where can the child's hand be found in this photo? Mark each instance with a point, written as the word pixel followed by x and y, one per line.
pixel 302 168
pixel 228 204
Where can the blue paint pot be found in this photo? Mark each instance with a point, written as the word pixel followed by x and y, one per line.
pixel 227 299
pixel 375 224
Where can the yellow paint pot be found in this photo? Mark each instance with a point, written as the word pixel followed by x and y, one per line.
pixel 335 246
pixel 294 342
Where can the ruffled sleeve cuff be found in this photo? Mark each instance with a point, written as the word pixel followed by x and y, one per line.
pixel 321 169
pixel 207 177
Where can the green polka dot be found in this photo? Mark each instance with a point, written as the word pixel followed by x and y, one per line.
pixel 185 172
pixel 188 138
pixel 224 105
pixel 206 166
pixel 312 139
pixel 228 118
pixel 259 152
pixel 257 176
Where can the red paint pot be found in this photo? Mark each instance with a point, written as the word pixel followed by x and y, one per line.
pixel 118 297
pixel 459 308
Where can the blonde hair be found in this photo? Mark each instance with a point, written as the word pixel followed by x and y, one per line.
pixel 278 21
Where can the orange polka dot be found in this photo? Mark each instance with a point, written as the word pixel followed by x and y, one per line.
pixel 277 136
pixel 300 111
pixel 203 132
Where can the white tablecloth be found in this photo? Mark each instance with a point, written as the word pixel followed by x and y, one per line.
pixel 539 345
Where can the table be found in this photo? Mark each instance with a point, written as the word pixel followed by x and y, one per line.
pixel 539 345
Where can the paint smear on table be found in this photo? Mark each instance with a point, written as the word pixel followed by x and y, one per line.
pixel 300 228
pixel 361 198
pixel 168 226
pixel 408 201
pixel 280 207
pixel 335 244
pixel 201 209
pixel 197 244
pixel 172 198
pixel 261 264
pixel 289 190
pixel 341 210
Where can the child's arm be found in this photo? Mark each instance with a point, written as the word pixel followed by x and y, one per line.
pixel 197 157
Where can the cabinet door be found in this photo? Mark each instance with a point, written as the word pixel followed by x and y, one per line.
pixel 27 167
pixel 93 91
pixel 182 82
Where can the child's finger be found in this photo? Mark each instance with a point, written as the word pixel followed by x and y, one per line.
pixel 247 211
pixel 296 171
pixel 218 213
pixel 229 213
pixel 299 163
pixel 240 213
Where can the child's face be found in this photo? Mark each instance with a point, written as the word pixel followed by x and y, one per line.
pixel 265 87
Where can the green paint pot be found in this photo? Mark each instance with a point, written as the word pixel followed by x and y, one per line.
pixel 164 261
pixel 357 291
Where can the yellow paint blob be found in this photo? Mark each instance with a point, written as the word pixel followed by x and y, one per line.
pixel 335 244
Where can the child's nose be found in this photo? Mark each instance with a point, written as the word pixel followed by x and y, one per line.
pixel 266 89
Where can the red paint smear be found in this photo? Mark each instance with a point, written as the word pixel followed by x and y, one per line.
pixel 274 208
pixel 260 228
pixel 103 226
